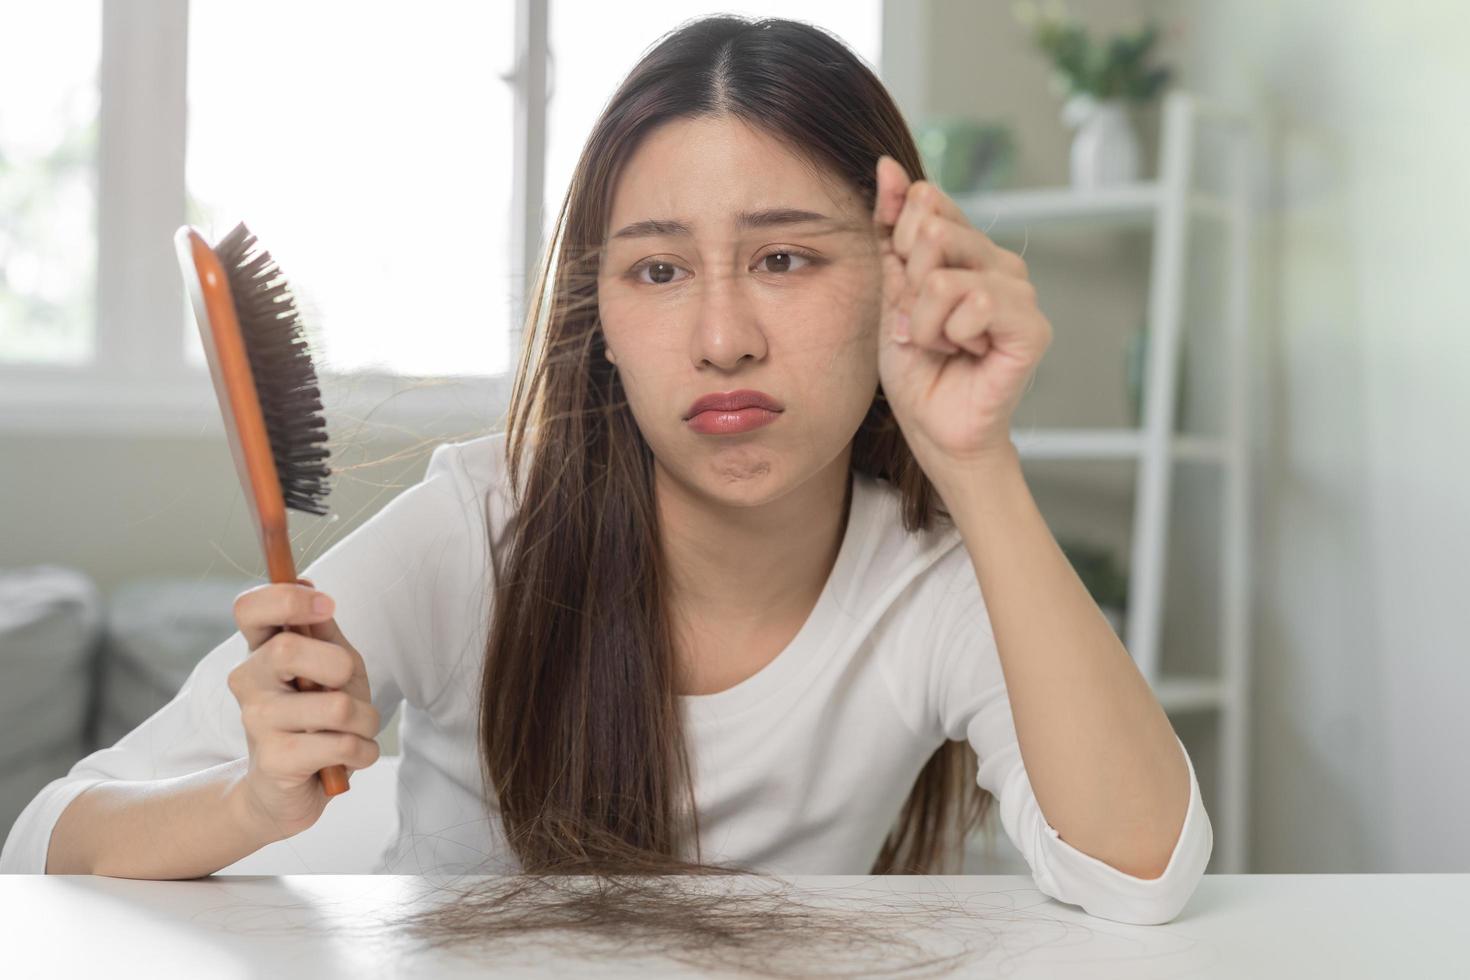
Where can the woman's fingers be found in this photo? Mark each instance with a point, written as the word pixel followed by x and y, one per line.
pixel 319 711
pixel 893 184
pixel 289 655
pixel 921 199
pixel 262 611
pixel 299 755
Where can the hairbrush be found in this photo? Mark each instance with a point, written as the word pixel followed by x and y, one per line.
pixel 267 389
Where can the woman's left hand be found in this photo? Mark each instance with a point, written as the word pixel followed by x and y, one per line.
pixel 976 334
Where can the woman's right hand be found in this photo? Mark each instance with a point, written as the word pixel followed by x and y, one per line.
pixel 292 734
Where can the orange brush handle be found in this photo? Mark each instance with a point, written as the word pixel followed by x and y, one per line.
pixel 244 422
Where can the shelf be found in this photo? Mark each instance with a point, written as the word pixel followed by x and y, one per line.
pixel 1132 205
pixel 1179 694
pixel 1099 444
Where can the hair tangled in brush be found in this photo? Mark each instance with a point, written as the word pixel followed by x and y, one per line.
pixel 581 745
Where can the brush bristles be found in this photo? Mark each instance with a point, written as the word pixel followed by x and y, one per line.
pixel 285 379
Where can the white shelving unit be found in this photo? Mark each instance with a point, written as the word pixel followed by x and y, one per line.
pixel 1167 206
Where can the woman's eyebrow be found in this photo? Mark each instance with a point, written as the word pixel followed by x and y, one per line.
pixel 744 220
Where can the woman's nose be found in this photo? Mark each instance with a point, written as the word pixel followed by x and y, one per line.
pixel 726 326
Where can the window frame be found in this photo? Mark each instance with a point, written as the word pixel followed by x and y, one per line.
pixel 140 380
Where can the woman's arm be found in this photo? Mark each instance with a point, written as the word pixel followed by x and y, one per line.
pixel 409 585
pixel 1104 761
pixel 181 827
pixel 84 822
pixel 939 655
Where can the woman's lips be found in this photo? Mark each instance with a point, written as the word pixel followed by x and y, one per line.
pixel 723 422
pixel 733 401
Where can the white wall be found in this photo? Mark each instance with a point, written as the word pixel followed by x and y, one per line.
pixel 1361 670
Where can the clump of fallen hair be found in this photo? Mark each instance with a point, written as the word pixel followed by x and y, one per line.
pixel 756 924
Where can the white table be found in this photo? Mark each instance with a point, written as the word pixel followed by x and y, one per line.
pixel 1252 926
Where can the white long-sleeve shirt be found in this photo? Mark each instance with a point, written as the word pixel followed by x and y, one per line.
pixel 800 769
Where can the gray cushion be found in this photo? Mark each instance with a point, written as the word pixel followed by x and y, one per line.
pixel 50 631
pixel 158 628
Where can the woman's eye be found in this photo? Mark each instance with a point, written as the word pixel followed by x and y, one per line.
pixel 661 273
pixel 785 260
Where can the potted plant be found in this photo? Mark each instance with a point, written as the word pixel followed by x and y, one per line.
pixel 1098 82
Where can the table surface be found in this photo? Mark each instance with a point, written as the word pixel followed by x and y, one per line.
pixel 1339 926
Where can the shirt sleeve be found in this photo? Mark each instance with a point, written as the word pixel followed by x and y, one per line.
pixel 968 689
pixel 408 592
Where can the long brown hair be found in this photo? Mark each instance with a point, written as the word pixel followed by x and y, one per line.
pixel 583 752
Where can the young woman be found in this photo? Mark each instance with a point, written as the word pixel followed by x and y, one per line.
pixel 752 578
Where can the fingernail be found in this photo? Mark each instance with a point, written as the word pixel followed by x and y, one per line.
pixel 901 328
pixel 322 604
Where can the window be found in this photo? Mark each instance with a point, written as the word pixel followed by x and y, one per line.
pixel 371 154
pixel 48 172
pixel 395 160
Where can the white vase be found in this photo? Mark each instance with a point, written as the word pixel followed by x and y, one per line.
pixel 1105 147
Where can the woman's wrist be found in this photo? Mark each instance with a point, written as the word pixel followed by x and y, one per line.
pixel 254 826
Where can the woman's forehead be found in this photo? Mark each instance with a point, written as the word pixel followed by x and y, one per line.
pixel 704 175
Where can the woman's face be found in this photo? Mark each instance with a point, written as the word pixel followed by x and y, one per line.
pixel 789 309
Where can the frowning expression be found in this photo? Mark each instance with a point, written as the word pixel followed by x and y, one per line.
pixel 731 263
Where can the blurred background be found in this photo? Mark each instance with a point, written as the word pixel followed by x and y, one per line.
pixel 1249 434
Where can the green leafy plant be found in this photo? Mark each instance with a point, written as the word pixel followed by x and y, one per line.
pixel 1084 67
